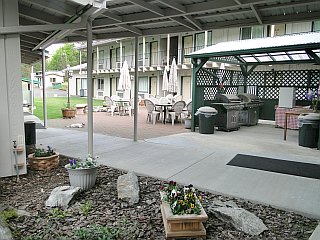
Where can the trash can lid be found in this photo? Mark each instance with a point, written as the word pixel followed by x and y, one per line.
pixel 310 116
pixel 207 109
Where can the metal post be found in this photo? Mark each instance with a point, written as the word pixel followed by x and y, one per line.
pixel 44 88
pixel 136 85
pixel 32 90
pixel 90 86
pixel 68 89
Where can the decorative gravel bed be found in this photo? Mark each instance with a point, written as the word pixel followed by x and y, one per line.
pixel 98 211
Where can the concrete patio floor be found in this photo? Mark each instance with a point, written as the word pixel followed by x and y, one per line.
pixel 200 159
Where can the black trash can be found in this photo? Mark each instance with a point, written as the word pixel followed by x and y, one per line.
pixel 206 119
pixel 30 136
pixel 309 130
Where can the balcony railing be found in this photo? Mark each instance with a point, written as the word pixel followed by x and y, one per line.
pixel 151 59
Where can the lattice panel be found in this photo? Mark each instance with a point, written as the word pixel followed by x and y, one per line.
pixel 314 77
pixel 232 90
pixel 268 79
pixel 268 92
pixel 302 92
pixel 209 93
pixel 291 78
pixel 255 78
pixel 237 78
pixel 205 79
pixel 224 76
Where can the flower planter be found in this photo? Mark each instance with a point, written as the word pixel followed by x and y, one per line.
pixel 187 123
pixel 43 163
pixel 68 112
pixel 187 225
pixel 84 178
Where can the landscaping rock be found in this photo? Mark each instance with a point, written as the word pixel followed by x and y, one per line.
pixel 5 233
pixel 240 218
pixel 61 196
pixel 128 188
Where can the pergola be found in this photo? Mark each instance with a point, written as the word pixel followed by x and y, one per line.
pixel 248 54
pixel 27 27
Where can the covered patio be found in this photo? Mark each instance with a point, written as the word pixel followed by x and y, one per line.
pixel 291 51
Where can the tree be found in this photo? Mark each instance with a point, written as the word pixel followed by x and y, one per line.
pixel 66 55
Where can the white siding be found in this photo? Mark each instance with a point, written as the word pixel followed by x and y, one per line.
pixel 298 27
pixel 11 120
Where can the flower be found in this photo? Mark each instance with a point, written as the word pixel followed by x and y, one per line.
pixel 44 152
pixel 88 162
pixel 313 96
pixel 181 200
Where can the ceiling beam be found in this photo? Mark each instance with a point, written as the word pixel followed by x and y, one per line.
pixel 195 22
pixel 131 29
pixel 112 16
pixel 174 5
pixel 313 55
pixel 39 16
pixel 35 35
pixel 148 6
pixel 184 23
pixel 56 6
pixel 237 2
pixel 256 13
pixel 28 39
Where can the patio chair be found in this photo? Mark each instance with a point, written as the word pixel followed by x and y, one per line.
pixel 152 113
pixel 177 98
pixel 109 104
pixel 176 111
pixel 187 110
pixel 170 97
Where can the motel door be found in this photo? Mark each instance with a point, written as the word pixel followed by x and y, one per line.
pixel 153 86
pixel 186 88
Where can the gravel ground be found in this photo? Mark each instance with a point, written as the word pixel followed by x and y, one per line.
pixel 100 207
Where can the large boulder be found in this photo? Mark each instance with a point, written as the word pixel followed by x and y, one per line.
pixel 61 196
pixel 128 188
pixel 240 218
pixel 5 233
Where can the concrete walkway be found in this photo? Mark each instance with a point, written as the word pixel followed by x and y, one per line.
pixel 201 160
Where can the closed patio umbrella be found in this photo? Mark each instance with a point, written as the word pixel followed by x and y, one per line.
pixel 165 81
pixel 173 78
pixel 125 79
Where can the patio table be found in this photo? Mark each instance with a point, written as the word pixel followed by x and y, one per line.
pixel 164 106
pixel 122 103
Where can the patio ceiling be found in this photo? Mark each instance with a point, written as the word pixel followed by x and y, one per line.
pixel 46 22
pixel 296 48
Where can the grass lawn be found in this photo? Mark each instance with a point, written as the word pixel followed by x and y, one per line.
pixel 55 104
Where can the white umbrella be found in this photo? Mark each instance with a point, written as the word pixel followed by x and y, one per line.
pixel 125 79
pixel 165 81
pixel 173 78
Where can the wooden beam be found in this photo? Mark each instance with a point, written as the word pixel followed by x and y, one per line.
pixel 256 13
pixel 149 7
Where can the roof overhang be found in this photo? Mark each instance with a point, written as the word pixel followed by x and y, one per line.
pixel 43 22
pixel 295 48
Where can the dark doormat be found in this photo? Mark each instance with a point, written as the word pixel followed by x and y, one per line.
pixel 308 170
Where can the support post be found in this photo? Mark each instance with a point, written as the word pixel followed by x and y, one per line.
pixel 44 98
pixel 136 85
pixel 32 90
pixel 90 86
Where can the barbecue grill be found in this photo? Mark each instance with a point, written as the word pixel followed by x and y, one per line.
pixel 228 106
pixel 249 115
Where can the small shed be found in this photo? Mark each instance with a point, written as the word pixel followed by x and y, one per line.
pixel 246 55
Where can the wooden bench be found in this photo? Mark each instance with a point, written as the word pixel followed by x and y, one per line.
pixel 81 108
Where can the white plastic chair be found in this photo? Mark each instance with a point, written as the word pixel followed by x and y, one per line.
pixel 152 113
pixel 176 111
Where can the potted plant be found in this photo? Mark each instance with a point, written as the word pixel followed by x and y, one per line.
pixel 43 158
pixel 187 122
pixel 82 172
pixel 68 112
pixel 182 212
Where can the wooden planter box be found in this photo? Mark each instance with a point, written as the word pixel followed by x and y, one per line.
pixel 68 113
pixel 188 225
pixel 43 163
